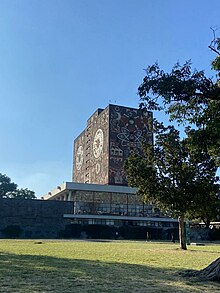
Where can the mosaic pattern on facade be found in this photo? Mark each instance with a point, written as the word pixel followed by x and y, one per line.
pixel 110 137
pixel 91 151
pixel 79 158
pixel 129 128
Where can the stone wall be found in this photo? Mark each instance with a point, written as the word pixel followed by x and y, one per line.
pixel 22 218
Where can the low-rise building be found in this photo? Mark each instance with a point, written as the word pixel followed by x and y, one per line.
pixel 108 205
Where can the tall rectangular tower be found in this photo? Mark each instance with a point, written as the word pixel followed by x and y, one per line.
pixel 111 135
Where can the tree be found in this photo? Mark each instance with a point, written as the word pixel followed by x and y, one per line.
pixel 9 189
pixel 188 96
pixel 6 186
pixel 170 176
pixel 215 47
pixel 180 174
pixel 23 194
pixel 208 212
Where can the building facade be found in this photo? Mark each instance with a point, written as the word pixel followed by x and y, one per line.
pixel 99 191
pixel 108 205
pixel 111 135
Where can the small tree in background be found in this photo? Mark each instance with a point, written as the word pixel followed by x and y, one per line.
pixel 23 194
pixel 6 186
pixel 9 189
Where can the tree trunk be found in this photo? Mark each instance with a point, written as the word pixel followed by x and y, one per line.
pixel 207 223
pixel 211 272
pixel 182 235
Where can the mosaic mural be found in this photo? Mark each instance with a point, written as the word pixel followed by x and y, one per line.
pixel 128 129
pixel 110 137
pixel 91 150
pixel 78 158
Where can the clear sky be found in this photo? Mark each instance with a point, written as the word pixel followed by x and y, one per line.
pixel 62 59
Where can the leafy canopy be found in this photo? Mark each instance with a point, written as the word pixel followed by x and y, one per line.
pixel 6 186
pixel 189 97
pixel 9 189
pixel 171 176
pixel 179 174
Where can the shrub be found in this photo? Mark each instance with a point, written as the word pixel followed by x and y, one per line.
pixel 12 231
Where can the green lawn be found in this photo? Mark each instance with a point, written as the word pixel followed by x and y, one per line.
pixel 117 266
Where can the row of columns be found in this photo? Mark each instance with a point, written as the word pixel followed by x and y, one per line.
pixel 65 196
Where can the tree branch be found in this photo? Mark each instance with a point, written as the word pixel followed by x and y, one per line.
pixel 213 42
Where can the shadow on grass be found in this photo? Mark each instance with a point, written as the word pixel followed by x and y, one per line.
pixel 31 273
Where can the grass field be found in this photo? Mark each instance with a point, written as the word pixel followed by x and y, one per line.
pixel 117 266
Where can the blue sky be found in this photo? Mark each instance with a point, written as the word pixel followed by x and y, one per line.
pixel 62 59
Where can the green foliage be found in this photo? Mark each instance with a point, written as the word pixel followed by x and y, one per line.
pixel 188 96
pixel 216 63
pixel 179 175
pixel 208 212
pixel 182 183
pixel 12 231
pixel 23 194
pixel 216 48
pixel 9 189
pixel 6 186
pixel 171 176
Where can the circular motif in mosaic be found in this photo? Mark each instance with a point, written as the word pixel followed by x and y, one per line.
pixel 79 158
pixel 98 143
